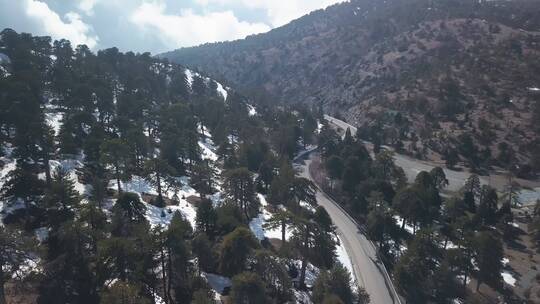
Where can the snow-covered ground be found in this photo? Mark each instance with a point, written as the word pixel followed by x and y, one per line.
pixel 344 259
pixel 9 165
pixel 70 166
pixel 256 224
pixel 190 75
pixel 221 90
pixel 251 110
pixel 506 275
pixel 257 227
pixel 158 299
pixel 399 222
pixel 207 149
pixel 54 118
pixel 217 283
pixel 162 216
pixel 4 61
pixel 312 272
pixel 29 266
pixel 508 278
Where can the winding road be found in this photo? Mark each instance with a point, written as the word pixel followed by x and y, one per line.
pixel 413 166
pixel 368 270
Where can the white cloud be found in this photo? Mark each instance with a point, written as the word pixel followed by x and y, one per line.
pixel 74 29
pixel 87 6
pixel 279 12
pixel 188 28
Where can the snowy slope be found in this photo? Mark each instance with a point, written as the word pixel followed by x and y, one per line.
pixel 220 88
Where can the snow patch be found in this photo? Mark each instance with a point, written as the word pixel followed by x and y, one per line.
pixel 70 166
pixel 217 283
pixel 257 224
pixel 158 299
pixel 251 110
pixel 344 259
pixel 312 273
pixel 534 89
pixel 508 278
pixel 319 127
pixel 399 222
pixel 9 165
pixel 190 75
pixel 162 216
pixel 28 267
pixel 207 147
pixel 221 90
pixel 54 118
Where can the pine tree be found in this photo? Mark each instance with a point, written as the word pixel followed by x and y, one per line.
pixel 123 292
pixel 488 253
pixel 240 189
pixel 235 248
pixel 325 243
pixel 247 287
pixel 487 208
pixel 61 199
pixel 413 272
pixel 115 153
pixel 127 211
pixel 202 249
pixel 472 185
pixel 438 176
pixel 202 178
pixel 70 276
pixel 23 184
pixel 178 268
pixel 157 171
pixel 274 273
pixel 16 251
pixel 280 220
pixel 379 223
pixel 335 282
pixel 206 217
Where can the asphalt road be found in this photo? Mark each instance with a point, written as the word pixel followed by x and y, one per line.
pixel 368 271
pixel 412 166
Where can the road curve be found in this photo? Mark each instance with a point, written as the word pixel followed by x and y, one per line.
pixel 413 166
pixel 368 271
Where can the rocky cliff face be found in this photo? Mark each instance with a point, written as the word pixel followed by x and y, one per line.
pixel 434 78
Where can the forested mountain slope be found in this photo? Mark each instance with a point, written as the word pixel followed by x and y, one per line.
pixel 459 78
pixel 127 179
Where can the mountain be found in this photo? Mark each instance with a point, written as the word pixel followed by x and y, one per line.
pixel 450 79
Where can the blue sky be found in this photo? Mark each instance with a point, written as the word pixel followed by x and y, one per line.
pixel 151 25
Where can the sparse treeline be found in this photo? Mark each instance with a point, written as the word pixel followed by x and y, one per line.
pixel 433 244
pixel 123 115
